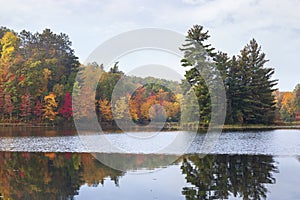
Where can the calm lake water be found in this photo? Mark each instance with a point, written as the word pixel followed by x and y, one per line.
pixel 52 164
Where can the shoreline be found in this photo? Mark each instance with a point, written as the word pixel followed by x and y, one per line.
pixel 168 126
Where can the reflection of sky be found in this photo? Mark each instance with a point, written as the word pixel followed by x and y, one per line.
pixel 276 142
pixel 287 181
pixel 275 24
pixel 168 183
pixel 162 184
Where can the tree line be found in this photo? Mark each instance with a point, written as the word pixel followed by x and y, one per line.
pixel 37 73
pixel 38 83
pixel 136 106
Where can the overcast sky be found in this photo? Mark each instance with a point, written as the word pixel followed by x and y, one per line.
pixel 274 24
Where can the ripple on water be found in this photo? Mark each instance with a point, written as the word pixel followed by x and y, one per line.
pixel 274 142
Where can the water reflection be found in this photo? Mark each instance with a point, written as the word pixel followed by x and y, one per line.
pixel 219 176
pixel 60 175
pixel 49 175
pixel 136 162
pixel 23 131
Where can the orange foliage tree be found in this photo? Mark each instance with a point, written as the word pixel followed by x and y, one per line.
pixel 148 103
pixel 105 110
pixel 288 109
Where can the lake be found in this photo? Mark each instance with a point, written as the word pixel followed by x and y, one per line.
pixel 56 164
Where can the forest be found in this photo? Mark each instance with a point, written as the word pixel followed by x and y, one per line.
pixel 38 82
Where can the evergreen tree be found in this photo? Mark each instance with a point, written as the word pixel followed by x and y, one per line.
pixel 248 83
pixel 196 57
pixel 222 63
pixel 234 92
pixel 256 87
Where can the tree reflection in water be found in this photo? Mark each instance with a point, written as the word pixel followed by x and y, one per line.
pixel 219 176
pixel 60 175
pixel 50 175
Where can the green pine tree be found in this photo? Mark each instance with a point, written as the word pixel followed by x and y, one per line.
pixel 196 57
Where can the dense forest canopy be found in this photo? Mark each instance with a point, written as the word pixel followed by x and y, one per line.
pixel 38 82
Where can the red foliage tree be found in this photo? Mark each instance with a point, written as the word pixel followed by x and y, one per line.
pixel 25 106
pixel 8 106
pixel 66 110
pixel 38 110
pixel 136 102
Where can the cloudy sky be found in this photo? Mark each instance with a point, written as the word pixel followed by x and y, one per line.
pixel 275 24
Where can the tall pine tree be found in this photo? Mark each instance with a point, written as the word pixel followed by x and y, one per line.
pixel 251 87
pixel 196 57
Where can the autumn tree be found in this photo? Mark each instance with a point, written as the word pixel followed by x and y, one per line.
pixel 1 106
pixel 52 52
pixel 288 109
pixel 3 30
pixel 121 109
pixel 8 60
pixel 50 106
pixel 84 101
pixel 133 110
pixel 8 106
pixel 145 113
pixel 25 106
pixel 105 110
pixel 38 110
pixel 136 100
pixel 153 102
pixel 172 110
pixel 66 109
pixel 296 94
pixel 36 63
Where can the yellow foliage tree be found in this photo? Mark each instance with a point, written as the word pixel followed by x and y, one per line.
pixel 105 110
pixel 50 106
pixel 121 109
pixel 133 111
pixel 288 109
pixel 8 59
pixel 172 110
pixel 9 43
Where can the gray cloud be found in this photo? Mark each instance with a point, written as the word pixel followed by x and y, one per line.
pixel 275 24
